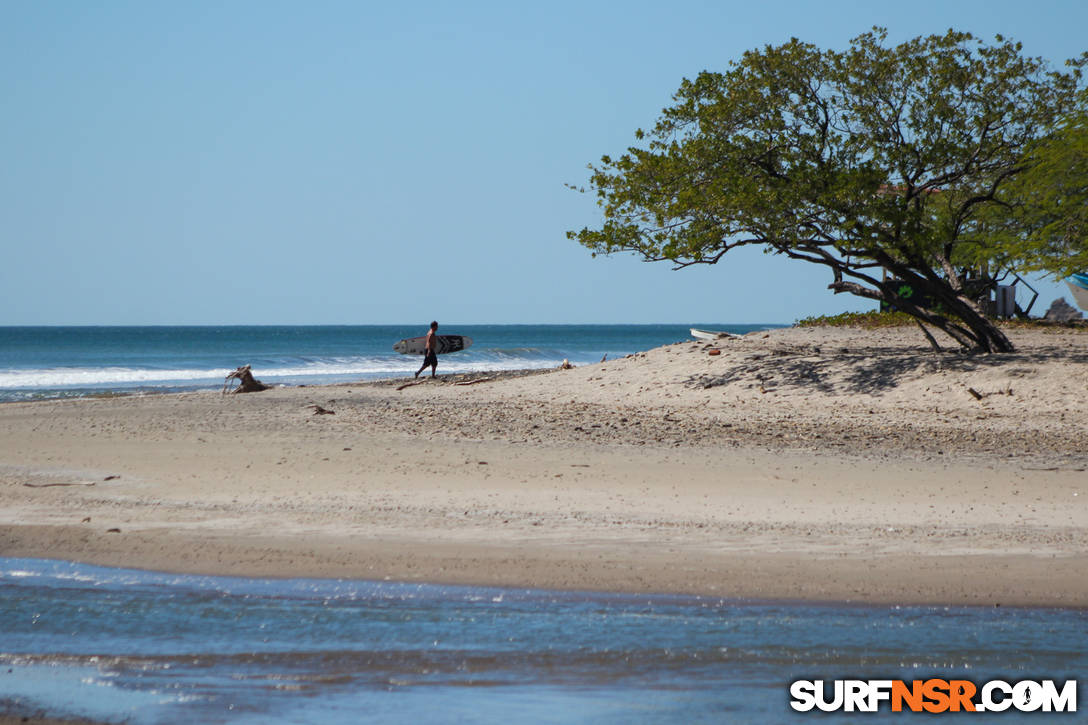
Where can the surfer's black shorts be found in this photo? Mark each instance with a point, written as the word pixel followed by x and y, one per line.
pixel 430 358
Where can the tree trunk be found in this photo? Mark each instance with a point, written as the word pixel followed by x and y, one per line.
pixel 983 333
pixel 963 321
pixel 961 318
pixel 988 336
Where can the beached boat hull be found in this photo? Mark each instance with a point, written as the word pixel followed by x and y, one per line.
pixel 710 334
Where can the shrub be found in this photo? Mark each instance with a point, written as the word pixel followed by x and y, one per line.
pixel 868 320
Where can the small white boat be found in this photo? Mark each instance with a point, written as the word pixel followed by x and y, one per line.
pixel 711 334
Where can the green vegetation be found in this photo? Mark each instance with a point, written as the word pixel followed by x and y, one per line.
pixel 868 320
pixel 876 319
pixel 897 168
pixel 1049 232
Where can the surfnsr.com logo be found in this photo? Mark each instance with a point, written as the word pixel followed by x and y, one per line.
pixel 933 695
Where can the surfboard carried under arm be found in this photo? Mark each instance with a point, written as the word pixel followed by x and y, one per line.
pixel 442 344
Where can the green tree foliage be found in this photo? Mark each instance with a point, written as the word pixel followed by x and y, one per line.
pixel 1047 230
pixel 871 159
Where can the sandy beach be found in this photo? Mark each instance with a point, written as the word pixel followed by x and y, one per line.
pixel 803 463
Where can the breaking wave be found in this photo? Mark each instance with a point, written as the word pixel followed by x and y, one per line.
pixel 281 371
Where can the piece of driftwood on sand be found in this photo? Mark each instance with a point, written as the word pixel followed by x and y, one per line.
pixel 476 381
pixel 247 383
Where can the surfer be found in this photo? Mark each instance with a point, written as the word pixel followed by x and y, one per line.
pixel 429 355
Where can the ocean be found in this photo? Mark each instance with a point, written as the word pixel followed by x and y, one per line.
pixel 56 362
pixel 149 648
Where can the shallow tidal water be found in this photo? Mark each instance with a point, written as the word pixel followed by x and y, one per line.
pixel 143 647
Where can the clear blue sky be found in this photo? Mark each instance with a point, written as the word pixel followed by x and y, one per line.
pixel 354 162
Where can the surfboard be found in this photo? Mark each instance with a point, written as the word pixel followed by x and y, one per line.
pixel 442 344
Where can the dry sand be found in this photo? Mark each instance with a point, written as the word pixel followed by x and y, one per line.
pixel 832 464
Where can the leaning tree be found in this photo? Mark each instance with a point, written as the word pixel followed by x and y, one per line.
pixel 888 165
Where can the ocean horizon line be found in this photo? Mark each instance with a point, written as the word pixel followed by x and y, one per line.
pixel 391 324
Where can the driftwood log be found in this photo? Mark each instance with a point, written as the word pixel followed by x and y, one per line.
pixel 246 382
pixel 476 381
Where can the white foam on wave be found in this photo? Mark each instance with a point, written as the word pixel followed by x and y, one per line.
pixel 76 377
pixel 60 378
pixel 18 573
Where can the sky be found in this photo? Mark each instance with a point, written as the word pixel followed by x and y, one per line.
pixel 361 163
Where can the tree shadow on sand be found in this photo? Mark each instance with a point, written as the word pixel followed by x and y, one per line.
pixel 870 370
